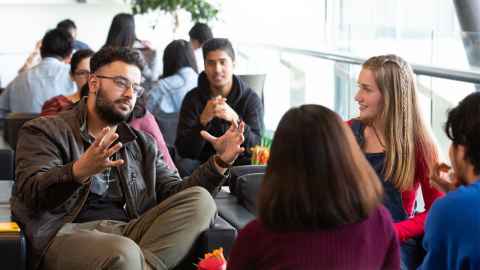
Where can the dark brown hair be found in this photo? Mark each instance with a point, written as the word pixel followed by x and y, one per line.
pixel 463 128
pixel 122 31
pixel 178 54
pixel 317 176
pixel 108 55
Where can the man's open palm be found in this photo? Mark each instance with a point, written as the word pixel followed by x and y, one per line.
pixel 228 146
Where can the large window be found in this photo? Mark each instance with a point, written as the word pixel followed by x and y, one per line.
pixel 424 32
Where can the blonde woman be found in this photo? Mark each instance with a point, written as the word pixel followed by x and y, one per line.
pixel 397 144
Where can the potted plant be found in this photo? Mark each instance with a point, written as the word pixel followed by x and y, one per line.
pixel 200 10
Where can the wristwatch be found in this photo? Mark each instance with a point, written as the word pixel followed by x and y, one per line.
pixel 221 163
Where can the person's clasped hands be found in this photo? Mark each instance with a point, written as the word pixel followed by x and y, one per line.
pixel 219 108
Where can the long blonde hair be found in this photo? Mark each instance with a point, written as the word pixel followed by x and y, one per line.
pixel 406 136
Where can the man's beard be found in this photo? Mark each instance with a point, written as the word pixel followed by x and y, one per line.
pixel 106 110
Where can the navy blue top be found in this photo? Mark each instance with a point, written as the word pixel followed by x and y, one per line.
pixel 392 199
pixel 452 231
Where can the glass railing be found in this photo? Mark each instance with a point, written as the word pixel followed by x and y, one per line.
pixel 296 77
pixel 450 50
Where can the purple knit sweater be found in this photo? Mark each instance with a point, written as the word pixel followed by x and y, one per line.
pixel 370 244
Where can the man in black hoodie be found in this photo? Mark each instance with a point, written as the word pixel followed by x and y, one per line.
pixel 220 99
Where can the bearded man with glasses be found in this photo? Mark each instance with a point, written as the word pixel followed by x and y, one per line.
pixel 93 193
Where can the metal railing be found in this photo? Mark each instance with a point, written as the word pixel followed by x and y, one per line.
pixel 432 71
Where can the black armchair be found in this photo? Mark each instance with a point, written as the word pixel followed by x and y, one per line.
pixel 239 207
pixel 256 82
pixel 13 245
pixel 12 125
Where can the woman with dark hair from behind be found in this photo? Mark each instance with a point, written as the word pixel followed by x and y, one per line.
pixel 179 77
pixel 319 204
pixel 79 72
pixel 122 34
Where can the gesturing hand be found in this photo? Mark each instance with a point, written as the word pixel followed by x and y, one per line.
pixel 228 146
pixel 97 157
pixel 443 178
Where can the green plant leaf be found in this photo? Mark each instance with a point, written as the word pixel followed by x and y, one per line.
pixel 200 10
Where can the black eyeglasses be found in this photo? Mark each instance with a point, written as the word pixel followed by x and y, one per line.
pixel 124 84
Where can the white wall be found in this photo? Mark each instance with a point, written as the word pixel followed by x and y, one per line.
pixel 25 22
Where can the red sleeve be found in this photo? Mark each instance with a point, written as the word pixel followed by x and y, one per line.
pixel 55 105
pixel 413 227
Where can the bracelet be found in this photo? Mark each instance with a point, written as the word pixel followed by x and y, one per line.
pixel 221 163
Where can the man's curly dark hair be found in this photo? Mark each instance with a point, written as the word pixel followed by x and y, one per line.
pixel 109 55
pixel 463 128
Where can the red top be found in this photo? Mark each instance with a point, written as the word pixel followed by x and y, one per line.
pixel 56 105
pixel 146 124
pixel 413 226
pixel 368 244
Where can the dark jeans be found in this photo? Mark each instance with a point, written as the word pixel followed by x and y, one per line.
pixel 411 254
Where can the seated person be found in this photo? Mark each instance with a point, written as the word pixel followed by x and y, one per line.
pixel 67 25
pixel 199 34
pixel 71 27
pixel 396 142
pixel 33 58
pixel 452 229
pixel 220 99
pixel 93 193
pixel 179 77
pixel 141 118
pixel 144 120
pixel 79 72
pixel 320 202
pixel 31 88
pixel 122 34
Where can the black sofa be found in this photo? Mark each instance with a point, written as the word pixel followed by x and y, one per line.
pixel 238 207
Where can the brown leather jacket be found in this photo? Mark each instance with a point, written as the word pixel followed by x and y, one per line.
pixel 46 196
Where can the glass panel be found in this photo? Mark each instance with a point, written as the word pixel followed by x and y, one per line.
pixel 294 79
